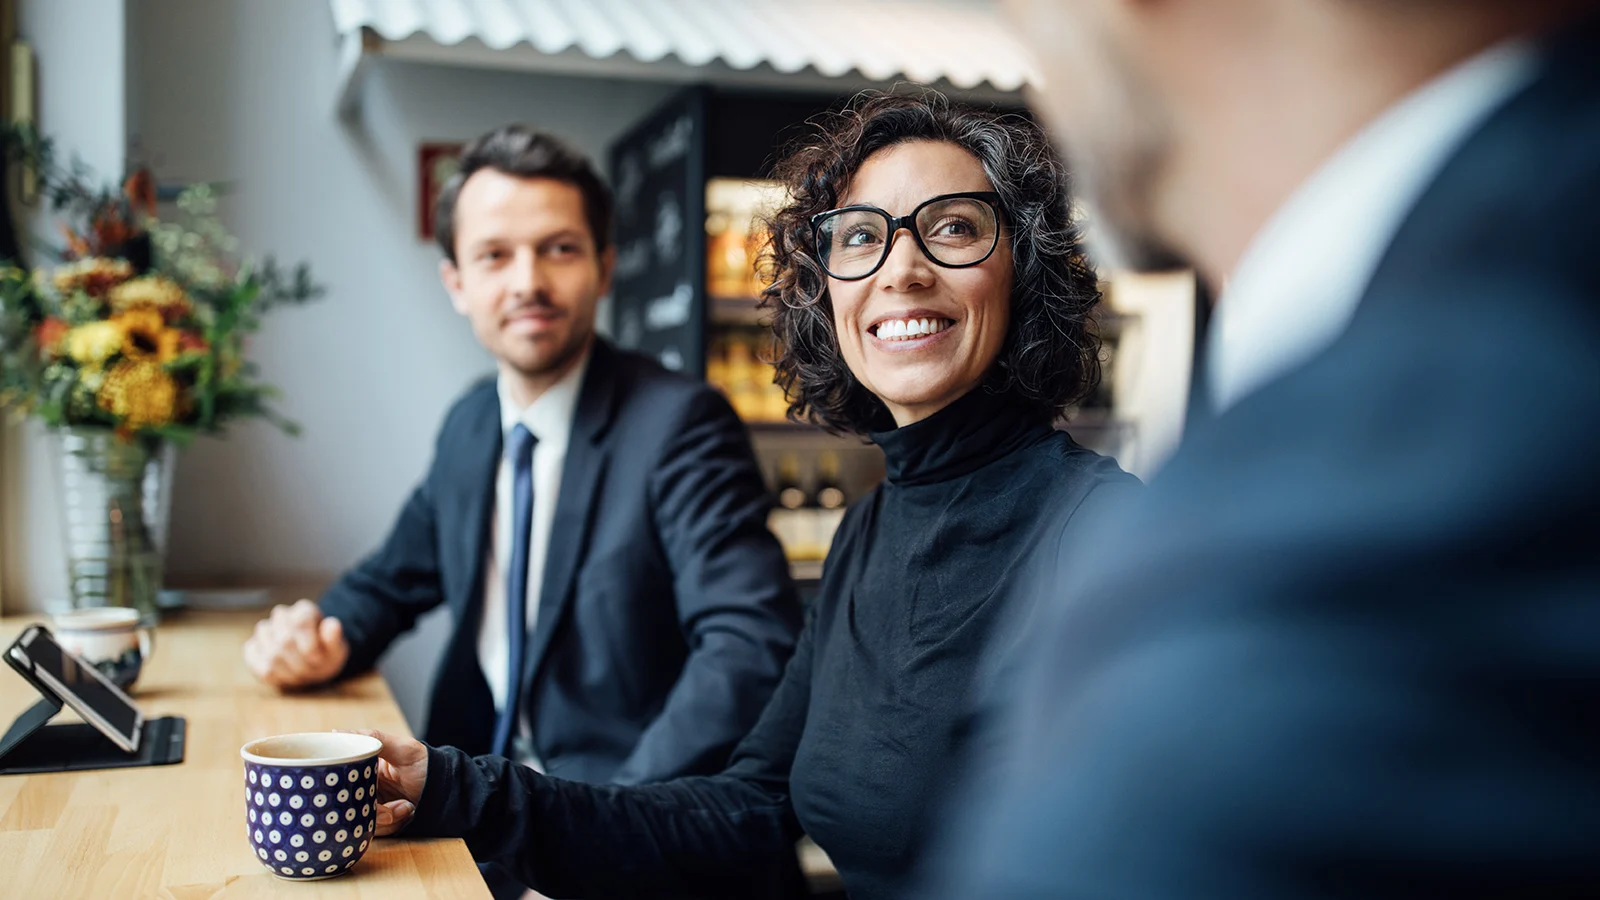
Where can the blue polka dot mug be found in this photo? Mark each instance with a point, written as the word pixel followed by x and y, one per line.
pixel 310 802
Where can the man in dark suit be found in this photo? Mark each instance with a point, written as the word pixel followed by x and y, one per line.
pixel 1348 644
pixel 596 524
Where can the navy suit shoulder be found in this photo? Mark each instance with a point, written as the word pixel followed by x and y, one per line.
pixel 659 401
pixel 1346 644
pixel 479 399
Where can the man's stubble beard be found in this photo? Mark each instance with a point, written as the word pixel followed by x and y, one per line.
pixel 578 340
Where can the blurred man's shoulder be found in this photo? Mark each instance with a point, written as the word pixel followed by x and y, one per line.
pixel 644 384
pixel 480 394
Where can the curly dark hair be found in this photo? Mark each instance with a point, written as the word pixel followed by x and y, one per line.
pixel 1051 355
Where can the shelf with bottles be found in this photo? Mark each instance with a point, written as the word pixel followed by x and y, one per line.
pixel 811 504
pixel 739 349
pixel 1099 421
pixel 738 311
pixel 739 364
pixel 805 570
pixel 736 241
pixel 813 474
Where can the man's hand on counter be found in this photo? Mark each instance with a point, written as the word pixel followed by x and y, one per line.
pixel 296 647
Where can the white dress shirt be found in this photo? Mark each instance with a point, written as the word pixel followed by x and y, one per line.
pixel 550 419
pixel 1299 283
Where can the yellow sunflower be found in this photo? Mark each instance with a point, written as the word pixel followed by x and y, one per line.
pixel 92 343
pixel 140 393
pixel 146 336
pixel 94 276
pixel 151 292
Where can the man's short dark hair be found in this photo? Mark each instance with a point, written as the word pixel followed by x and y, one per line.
pixel 524 152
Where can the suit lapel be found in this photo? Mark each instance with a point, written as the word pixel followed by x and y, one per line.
pixel 582 477
pixel 478 452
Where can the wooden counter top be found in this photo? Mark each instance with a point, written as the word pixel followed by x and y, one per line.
pixel 179 831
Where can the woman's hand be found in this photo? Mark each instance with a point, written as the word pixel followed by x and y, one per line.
pixel 402 772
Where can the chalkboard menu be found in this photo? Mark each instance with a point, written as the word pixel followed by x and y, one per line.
pixel 658 173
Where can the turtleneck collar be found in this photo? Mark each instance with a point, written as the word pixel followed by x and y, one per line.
pixel 975 430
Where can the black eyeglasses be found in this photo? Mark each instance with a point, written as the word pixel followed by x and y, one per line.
pixel 954 230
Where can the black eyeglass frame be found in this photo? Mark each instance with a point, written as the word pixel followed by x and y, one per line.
pixel 909 223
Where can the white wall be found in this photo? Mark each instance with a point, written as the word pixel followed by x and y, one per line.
pixel 369 370
pixel 79 48
pixel 242 91
pixel 80 81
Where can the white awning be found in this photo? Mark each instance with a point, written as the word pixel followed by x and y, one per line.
pixel 839 44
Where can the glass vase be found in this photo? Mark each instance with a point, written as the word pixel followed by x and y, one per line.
pixel 115 498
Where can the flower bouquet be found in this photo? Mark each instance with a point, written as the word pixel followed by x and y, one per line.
pixel 133 344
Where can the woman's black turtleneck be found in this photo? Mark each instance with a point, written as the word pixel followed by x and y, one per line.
pixel 863 740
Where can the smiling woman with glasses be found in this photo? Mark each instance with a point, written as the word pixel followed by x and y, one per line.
pixel 929 293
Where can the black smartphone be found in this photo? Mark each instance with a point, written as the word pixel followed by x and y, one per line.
pixel 37 657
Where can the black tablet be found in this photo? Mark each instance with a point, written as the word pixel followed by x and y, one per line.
pixel 38 658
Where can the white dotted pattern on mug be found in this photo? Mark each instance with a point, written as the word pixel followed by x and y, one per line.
pixel 331 797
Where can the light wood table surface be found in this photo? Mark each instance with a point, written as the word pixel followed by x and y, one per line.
pixel 179 831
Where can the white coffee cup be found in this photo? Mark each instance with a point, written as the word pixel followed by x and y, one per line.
pixel 111 638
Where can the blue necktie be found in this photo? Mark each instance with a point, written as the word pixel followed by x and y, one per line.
pixel 520 450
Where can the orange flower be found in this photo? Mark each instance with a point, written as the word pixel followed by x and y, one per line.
pixel 192 342
pixel 77 247
pixel 92 343
pixel 140 393
pixel 151 292
pixel 50 333
pixel 146 336
pixel 140 189
pixel 94 276
pixel 111 229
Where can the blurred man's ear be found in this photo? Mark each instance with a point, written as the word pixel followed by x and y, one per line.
pixel 450 277
pixel 608 267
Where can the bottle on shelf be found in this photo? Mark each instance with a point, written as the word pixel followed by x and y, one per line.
pixel 759 253
pixel 743 373
pixel 786 519
pixel 774 402
pixel 717 362
pixel 830 495
pixel 808 543
pixel 790 494
pixel 830 500
pixel 727 255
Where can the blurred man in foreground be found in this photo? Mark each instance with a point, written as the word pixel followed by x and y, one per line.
pixel 1348 645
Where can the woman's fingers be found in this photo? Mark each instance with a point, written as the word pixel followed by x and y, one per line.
pixel 401 752
pixel 402 766
pixel 393 816
pixel 388 782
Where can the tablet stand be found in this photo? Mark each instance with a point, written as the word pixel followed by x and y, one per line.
pixel 30 745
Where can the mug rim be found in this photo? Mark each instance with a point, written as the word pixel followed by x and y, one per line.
pixel 104 618
pixel 370 745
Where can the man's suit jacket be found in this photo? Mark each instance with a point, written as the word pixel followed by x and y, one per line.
pixel 666 611
pixel 1348 643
